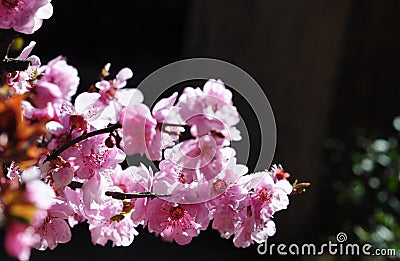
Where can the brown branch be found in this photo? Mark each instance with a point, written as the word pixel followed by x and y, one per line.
pixel 75 184
pixel 122 196
pixel 84 136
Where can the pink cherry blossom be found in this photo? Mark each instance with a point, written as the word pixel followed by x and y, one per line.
pixel 201 158
pixel 146 132
pixel 228 209
pixel 21 81
pixel 109 222
pixel 53 231
pixel 24 16
pixel 92 192
pixel 264 199
pixel 57 83
pixel 62 177
pixel 41 196
pixel 193 169
pixel 210 110
pixel 88 106
pixel 44 93
pixel 37 114
pixel 216 88
pixel 19 240
pixel 168 126
pixel 138 129
pixel 162 108
pixel 120 233
pixel 278 172
pixel 135 179
pixel 113 97
pixel 58 132
pixel 270 197
pixel 179 222
pixel 92 155
pixel 72 204
pixel 82 179
pixel 249 232
pixel 60 77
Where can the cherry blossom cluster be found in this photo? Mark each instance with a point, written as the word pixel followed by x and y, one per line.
pixel 63 157
pixel 25 16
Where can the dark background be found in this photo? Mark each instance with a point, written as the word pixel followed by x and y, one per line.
pixel 327 67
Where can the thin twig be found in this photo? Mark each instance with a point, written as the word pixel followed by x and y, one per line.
pixel 122 196
pixel 84 136
pixel 75 184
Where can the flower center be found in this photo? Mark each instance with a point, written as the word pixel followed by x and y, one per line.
pixel 77 122
pixel 111 93
pixel 220 186
pixel 265 195
pixel 281 174
pixel 10 3
pixel 182 178
pixel 176 213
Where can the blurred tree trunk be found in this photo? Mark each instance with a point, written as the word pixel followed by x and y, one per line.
pixel 292 49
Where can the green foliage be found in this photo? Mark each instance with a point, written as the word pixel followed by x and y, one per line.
pixel 374 190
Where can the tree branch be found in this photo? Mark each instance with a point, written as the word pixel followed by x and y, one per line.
pixel 122 196
pixel 84 136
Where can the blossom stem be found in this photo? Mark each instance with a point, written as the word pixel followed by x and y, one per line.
pixel 122 196
pixel 84 136
pixel 75 184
